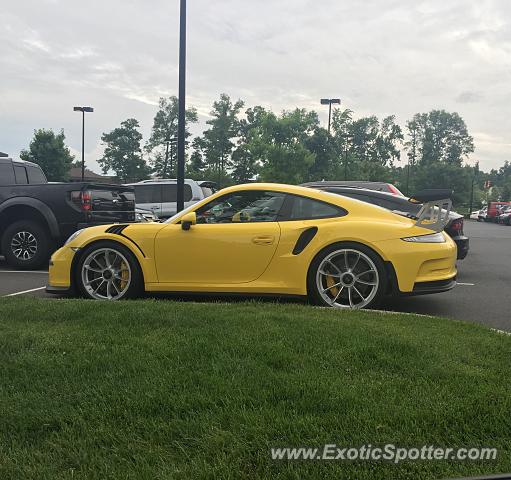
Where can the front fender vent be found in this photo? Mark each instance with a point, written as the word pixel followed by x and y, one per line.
pixel 116 229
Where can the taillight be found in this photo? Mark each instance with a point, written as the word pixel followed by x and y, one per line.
pixel 457 225
pixel 82 199
pixel 394 190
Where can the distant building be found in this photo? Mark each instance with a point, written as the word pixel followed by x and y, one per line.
pixel 75 175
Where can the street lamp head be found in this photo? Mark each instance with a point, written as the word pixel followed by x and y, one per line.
pixel 330 101
pixel 83 109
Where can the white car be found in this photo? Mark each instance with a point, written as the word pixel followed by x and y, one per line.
pixel 160 196
pixel 474 215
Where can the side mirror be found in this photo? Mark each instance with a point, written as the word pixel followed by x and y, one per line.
pixel 188 220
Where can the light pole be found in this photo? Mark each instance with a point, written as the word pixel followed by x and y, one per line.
pixel 346 137
pixel 171 143
pixel 330 102
pixel 182 106
pixel 83 110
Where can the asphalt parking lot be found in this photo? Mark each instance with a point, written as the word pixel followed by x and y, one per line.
pixel 482 295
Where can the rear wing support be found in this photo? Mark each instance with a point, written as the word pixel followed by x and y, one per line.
pixel 434 214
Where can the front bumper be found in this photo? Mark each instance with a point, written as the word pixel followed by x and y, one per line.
pixel 59 273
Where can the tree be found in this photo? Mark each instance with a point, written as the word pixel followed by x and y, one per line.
pixel 161 144
pixel 439 136
pixel 245 162
pixel 123 153
pixel 49 151
pixel 368 146
pixel 216 146
pixel 279 145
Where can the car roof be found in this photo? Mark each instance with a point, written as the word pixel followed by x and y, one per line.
pixel 159 181
pixel 18 162
pixel 347 203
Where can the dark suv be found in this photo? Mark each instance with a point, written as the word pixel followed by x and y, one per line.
pixel 36 217
pixel 401 205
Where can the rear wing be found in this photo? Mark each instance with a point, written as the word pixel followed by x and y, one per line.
pixel 437 205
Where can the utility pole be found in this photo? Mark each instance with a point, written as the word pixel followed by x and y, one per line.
pixel 182 107
pixel 83 110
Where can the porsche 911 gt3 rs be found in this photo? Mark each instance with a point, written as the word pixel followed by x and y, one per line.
pixel 264 239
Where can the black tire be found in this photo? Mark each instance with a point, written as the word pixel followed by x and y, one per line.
pixel 136 286
pixel 26 245
pixel 312 287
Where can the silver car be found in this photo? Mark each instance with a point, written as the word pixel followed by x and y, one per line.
pixel 160 196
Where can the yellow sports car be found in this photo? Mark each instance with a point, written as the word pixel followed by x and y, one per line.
pixel 265 239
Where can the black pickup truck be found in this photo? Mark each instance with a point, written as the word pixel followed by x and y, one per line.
pixel 36 217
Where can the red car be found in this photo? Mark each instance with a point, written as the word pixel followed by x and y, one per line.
pixel 494 210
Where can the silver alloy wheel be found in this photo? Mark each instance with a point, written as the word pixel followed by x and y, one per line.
pixel 24 245
pixel 347 278
pixel 106 274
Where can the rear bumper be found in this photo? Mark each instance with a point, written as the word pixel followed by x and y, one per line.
pixel 419 288
pixel 439 286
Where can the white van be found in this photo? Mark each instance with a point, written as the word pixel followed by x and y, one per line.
pixel 160 196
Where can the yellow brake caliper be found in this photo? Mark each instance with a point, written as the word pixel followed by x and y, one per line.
pixel 330 281
pixel 124 276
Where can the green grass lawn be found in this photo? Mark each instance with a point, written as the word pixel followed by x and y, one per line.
pixel 162 389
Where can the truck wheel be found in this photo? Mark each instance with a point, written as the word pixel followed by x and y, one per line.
pixel 25 245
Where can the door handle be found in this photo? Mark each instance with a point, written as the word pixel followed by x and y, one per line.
pixel 264 240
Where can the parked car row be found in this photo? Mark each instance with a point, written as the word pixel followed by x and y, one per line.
pixel 496 212
pixel 36 216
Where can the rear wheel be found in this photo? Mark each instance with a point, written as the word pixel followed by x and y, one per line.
pixel 26 245
pixel 347 275
pixel 109 271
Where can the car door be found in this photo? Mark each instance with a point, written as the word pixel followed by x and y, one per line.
pixel 233 242
pixel 148 197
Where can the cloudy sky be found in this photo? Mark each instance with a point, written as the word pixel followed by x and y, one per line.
pixel 380 56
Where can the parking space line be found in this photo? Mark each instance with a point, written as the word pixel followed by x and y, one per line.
pixel 466 284
pixel 25 291
pixel 23 271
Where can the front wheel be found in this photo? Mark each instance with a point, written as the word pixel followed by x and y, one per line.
pixel 347 275
pixel 108 271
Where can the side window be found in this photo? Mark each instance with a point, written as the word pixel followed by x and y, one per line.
pixel 148 193
pixel 169 193
pixel 21 175
pixel 35 175
pixel 6 174
pixel 304 208
pixel 242 207
pixel 362 198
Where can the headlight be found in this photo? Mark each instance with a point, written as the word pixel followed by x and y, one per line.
pixel 74 235
pixel 431 238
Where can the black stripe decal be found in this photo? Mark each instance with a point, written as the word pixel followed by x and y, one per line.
pixel 118 229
